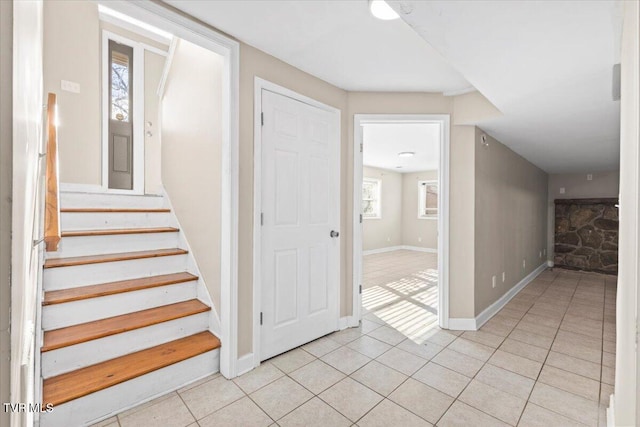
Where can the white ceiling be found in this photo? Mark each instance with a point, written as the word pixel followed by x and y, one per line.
pixel 546 65
pixel 383 142
pixel 337 41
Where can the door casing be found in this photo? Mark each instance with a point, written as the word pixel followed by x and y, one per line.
pixel 443 211
pixel 253 359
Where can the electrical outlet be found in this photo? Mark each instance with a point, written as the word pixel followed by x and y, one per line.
pixel 589 177
pixel 388 239
pixel 561 190
pixel 493 281
pixel 503 277
pixel 540 254
pixel 524 263
pixel 419 239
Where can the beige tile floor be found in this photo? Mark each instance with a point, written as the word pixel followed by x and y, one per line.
pixel 547 359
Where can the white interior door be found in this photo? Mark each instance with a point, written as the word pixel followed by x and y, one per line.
pixel 301 218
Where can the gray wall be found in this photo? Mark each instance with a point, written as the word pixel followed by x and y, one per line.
pixel 510 219
pixel 576 186
pixel 6 40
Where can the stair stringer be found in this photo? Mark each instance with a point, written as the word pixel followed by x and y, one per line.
pixel 192 266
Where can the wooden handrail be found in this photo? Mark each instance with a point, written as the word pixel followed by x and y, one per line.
pixel 52 194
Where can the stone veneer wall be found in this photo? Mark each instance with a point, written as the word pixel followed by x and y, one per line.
pixel 586 234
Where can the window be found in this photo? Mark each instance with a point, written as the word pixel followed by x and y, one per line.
pixel 371 198
pixel 428 199
pixel 120 88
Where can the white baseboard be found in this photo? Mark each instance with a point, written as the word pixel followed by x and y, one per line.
pixel 381 250
pixel 348 322
pixel 398 248
pixel 69 187
pixel 473 324
pixel 244 364
pixel 462 324
pixel 494 308
pixel 419 249
pixel 611 418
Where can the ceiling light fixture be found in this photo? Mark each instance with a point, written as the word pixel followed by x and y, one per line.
pixel 381 10
pixel 406 154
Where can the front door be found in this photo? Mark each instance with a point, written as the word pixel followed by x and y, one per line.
pixel 301 218
pixel 120 116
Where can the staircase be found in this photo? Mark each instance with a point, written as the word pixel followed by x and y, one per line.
pixel 125 317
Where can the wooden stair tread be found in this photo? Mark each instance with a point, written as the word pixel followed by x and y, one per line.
pixel 73 385
pixel 115 231
pixel 96 259
pixel 115 210
pixel 92 291
pixel 84 332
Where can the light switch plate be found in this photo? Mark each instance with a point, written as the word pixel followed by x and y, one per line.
pixel 68 86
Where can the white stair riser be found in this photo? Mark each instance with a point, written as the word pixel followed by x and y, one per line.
pixel 92 274
pixel 78 356
pixel 95 245
pixel 73 313
pixel 71 221
pixel 105 200
pixel 108 402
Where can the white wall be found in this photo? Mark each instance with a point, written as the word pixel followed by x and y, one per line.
pixel 419 232
pixel 384 232
pixel 6 117
pixel 27 143
pixel 626 404
pixel 191 124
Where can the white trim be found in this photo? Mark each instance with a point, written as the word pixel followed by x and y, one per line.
pixel 106 14
pixel 460 91
pixel 419 249
pixel 244 364
pixel 611 415
pixel 137 114
pixel 160 16
pixel 71 187
pixel 443 211
pixel 167 67
pixel 260 85
pixel 462 324
pixel 473 324
pixel 348 322
pixel 381 250
pixel 398 248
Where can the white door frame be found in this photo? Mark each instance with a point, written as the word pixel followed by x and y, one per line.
pixel 154 13
pixel 138 113
pixel 443 211
pixel 253 360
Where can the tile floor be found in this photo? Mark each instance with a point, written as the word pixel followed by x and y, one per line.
pixel 547 359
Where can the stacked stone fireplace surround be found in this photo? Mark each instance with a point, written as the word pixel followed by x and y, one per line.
pixel 586 235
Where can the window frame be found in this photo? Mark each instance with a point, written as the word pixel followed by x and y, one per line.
pixel 378 213
pixel 422 194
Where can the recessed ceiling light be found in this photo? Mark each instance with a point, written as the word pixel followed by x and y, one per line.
pixel 398 167
pixel 406 154
pixel 381 10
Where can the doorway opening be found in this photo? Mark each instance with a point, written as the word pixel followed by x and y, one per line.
pixel 401 223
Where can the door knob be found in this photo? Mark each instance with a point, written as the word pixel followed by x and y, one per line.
pixel 334 233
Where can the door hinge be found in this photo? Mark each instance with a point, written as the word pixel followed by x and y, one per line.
pixel 261 218
pixel 260 318
pixel 360 288
pixel 360 218
pixel 361 147
pixel 262 119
